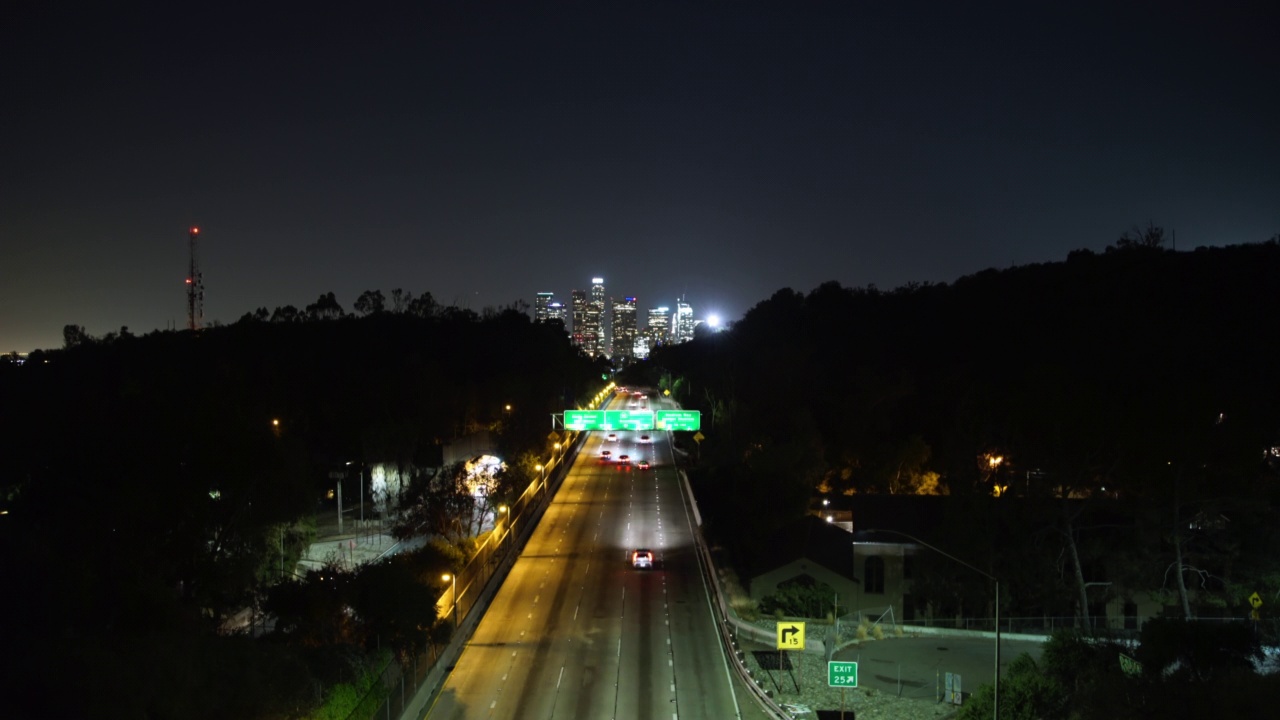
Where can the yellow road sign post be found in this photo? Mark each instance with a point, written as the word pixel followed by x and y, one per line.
pixel 790 637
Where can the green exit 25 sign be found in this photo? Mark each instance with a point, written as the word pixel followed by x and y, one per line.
pixel 842 674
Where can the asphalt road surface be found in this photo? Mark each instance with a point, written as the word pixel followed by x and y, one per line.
pixel 576 632
pixel 916 667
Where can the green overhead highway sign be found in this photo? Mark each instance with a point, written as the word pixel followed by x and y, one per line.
pixel 584 419
pixel 679 420
pixel 842 674
pixel 628 419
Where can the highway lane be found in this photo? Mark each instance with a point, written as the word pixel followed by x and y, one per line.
pixel 576 632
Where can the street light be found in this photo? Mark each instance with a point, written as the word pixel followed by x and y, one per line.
pixel 989 576
pixel 454 579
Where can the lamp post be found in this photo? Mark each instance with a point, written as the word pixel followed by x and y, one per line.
pixel 454 580
pixel 989 576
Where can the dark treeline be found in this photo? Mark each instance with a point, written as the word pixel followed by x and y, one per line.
pixel 154 484
pixel 1124 405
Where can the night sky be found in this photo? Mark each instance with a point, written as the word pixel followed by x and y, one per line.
pixel 485 151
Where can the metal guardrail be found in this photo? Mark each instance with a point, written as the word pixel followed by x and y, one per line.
pixel 727 636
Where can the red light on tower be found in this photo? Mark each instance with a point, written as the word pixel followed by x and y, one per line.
pixel 195 231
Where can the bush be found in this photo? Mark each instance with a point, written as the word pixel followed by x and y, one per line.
pixel 1196 651
pixel 1026 693
pixel 798 598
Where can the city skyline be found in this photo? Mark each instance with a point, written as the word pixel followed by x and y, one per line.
pixel 485 154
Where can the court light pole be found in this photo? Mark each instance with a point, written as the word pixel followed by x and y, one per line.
pixel 454 579
pixel 989 576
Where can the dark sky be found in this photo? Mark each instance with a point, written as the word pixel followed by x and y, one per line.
pixel 485 151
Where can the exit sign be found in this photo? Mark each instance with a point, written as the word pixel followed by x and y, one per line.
pixel 584 419
pixel 678 420
pixel 842 674
pixel 628 419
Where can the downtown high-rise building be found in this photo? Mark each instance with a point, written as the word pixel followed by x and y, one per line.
pixel 578 307
pixel 598 318
pixel 556 311
pixel 546 309
pixel 682 323
pixel 542 306
pixel 658 331
pixel 624 329
pixel 588 318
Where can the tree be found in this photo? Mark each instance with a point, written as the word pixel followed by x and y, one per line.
pixel 423 306
pixel 440 504
pixel 73 335
pixel 370 302
pixel 325 308
pixel 400 300
pixel 1136 238
pixel 396 608
pixel 286 314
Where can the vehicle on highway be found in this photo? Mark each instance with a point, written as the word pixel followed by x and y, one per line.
pixel 642 558
pixel 643 464
pixel 646 439
pixel 613 437
pixel 624 459
pixel 604 455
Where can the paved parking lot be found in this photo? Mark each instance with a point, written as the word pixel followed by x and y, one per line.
pixel 919 664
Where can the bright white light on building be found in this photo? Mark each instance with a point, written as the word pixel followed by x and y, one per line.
pixel 713 321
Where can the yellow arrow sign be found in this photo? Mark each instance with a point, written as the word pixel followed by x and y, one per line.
pixel 790 636
pixel 1255 600
pixel 699 437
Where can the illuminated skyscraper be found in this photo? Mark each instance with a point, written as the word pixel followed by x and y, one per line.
pixel 682 323
pixel 542 306
pixel 556 311
pixel 579 300
pixel 659 330
pixel 597 319
pixel 624 329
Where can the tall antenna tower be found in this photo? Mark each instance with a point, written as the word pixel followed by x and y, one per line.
pixel 195 283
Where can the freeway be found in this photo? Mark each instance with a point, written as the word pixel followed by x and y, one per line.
pixel 576 632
